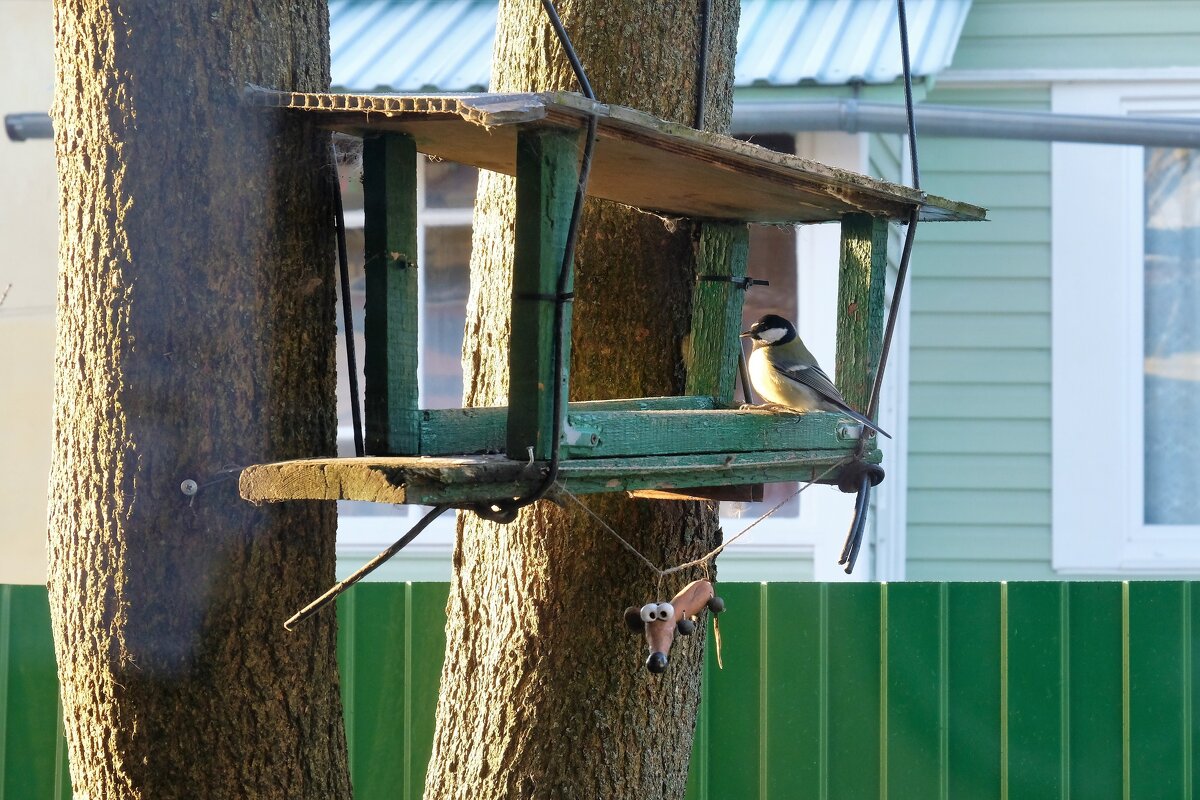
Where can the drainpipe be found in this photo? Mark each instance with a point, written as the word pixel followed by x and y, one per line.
pixel 853 116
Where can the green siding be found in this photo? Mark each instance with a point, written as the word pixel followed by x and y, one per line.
pixel 904 690
pixel 1079 34
pixel 979 395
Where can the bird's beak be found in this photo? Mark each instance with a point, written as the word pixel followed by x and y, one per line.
pixel 744 334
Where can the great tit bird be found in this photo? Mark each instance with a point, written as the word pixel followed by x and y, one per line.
pixel 785 373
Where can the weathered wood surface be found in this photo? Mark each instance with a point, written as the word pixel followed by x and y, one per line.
pixel 547 180
pixel 451 431
pixel 627 432
pixel 390 236
pixel 467 479
pixel 861 307
pixel 713 346
pixel 640 160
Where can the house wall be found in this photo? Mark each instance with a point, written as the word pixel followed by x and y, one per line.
pixel 979 493
pixel 28 275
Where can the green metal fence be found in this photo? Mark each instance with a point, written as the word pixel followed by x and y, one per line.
pixel 908 690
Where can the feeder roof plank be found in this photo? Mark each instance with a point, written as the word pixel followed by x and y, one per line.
pixel 640 160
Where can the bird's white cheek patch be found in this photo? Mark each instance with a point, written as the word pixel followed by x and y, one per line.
pixel 771 335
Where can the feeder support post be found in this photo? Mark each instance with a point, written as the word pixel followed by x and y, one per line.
pixel 390 326
pixel 862 277
pixel 547 176
pixel 712 352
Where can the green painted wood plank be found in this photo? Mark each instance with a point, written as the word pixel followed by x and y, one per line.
pixel 663 433
pixel 941 365
pixel 390 324
pixel 980 402
pixel 1016 436
pixel 1028 96
pixel 1034 656
pixel 940 259
pixel 914 682
pixel 954 330
pixel 796 626
pixel 862 275
pixel 1158 640
pixel 994 190
pixel 1096 689
pixel 29 709
pixel 454 431
pixel 1017 225
pixel 971 642
pixel 853 666
pixel 1103 52
pixel 734 695
pixel 983 295
pixel 969 471
pixel 1032 19
pixel 962 155
pixel 713 344
pixel 978 506
pixel 545 193
pixel 978 543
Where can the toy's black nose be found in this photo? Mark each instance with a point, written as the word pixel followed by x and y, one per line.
pixel 657 663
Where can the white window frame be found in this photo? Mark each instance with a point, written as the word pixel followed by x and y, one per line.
pixel 1097 333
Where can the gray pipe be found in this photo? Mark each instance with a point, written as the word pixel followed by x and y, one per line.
pixel 854 116
pixel 20 127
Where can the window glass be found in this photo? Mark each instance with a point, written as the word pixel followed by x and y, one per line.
pixel 1171 381
pixel 446 279
pixel 449 185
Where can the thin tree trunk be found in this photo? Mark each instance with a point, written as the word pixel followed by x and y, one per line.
pixel 544 693
pixel 195 335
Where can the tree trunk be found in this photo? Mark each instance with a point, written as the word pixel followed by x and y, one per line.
pixel 544 693
pixel 195 336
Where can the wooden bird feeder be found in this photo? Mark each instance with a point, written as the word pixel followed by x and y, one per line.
pixel 698 444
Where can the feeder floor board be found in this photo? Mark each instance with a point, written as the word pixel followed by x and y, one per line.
pixel 466 479
pixel 640 160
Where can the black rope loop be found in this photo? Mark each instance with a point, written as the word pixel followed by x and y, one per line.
pixel 850 478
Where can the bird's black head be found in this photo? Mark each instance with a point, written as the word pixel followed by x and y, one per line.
pixel 771 329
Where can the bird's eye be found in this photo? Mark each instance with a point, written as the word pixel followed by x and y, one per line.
pixel 666 611
pixel 649 612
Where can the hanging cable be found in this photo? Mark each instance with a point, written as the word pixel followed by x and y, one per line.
pixel 347 309
pixel 506 510
pixel 332 593
pixel 858 522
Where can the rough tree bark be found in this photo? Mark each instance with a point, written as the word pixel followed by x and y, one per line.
pixel 544 693
pixel 195 335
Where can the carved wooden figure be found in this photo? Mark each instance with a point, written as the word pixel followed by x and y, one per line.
pixel 661 621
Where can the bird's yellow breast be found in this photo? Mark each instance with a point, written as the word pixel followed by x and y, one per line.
pixel 775 387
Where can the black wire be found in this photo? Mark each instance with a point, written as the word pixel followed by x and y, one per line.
pixel 859 520
pixel 565 41
pixel 505 510
pixel 347 312
pixel 366 569
pixel 702 69
pixel 908 96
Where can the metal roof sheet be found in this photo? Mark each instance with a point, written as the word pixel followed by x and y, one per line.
pixel 421 45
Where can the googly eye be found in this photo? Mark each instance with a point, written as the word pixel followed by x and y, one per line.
pixel 666 611
pixel 649 612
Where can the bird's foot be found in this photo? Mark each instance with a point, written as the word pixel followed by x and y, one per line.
pixel 780 408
